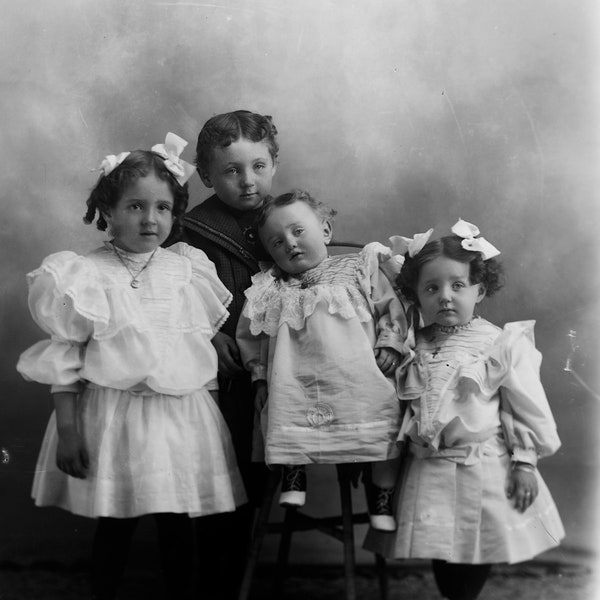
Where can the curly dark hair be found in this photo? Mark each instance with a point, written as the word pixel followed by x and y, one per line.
pixel 140 163
pixel 270 202
pixel 221 130
pixel 489 272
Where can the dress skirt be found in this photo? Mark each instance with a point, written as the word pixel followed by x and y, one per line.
pixel 149 453
pixel 460 513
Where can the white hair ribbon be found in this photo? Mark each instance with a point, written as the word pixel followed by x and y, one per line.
pixel 170 151
pixel 468 231
pixel 402 245
pixel 111 161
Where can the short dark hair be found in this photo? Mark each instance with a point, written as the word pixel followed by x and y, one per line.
pixel 221 130
pixel 489 272
pixel 140 163
pixel 270 202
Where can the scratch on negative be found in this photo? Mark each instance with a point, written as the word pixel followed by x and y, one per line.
pixel 81 115
pixel 462 137
pixel 537 143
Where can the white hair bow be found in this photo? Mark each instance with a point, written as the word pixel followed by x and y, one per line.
pixel 468 231
pixel 402 245
pixel 170 151
pixel 111 161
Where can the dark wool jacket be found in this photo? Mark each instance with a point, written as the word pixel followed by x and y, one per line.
pixel 212 227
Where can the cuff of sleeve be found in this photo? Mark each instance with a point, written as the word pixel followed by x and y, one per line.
pixel 526 455
pixel 213 385
pixel 72 388
pixel 390 340
pixel 258 372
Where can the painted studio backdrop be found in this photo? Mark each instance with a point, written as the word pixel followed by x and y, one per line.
pixel 402 115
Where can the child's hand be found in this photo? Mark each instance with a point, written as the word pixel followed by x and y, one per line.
pixel 71 454
pixel 388 360
pixel 261 396
pixel 522 487
pixel 229 355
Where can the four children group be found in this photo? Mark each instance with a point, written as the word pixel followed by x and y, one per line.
pixel 194 351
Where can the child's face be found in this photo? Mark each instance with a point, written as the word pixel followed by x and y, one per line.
pixel 142 218
pixel 445 292
pixel 241 173
pixel 296 237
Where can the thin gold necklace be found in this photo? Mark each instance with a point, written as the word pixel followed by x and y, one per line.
pixel 134 283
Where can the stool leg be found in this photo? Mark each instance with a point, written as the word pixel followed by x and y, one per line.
pixel 347 531
pixel 382 576
pixel 260 528
pixel 283 553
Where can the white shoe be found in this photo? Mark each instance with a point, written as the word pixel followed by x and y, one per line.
pixel 293 486
pixel 292 499
pixel 383 522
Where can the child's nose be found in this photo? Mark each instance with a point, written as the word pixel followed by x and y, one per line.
pixel 150 216
pixel 445 294
pixel 247 178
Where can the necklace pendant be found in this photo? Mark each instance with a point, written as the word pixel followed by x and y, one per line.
pixel 135 284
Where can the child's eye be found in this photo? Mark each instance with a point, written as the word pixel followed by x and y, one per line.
pixel 232 171
pixel 259 166
pixel 458 285
pixel 431 289
pixel 276 243
pixel 165 207
pixel 298 231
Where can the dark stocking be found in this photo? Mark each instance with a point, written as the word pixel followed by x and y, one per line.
pixel 460 581
pixel 222 542
pixel 109 555
pixel 176 545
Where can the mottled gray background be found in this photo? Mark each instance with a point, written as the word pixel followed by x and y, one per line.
pixel 403 115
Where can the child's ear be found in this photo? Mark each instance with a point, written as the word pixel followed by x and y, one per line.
pixel 327 231
pixel 481 293
pixel 205 178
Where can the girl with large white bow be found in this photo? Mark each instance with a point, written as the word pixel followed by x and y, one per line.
pixel 136 429
pixel 477 420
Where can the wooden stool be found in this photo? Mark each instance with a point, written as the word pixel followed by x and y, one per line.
pixel 339 527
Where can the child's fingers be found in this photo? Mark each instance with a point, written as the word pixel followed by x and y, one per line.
pixel 386 361
pixel 234 351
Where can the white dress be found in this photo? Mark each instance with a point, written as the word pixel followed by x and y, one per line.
pixel 142 363
pixel 312 338
pixel 476 404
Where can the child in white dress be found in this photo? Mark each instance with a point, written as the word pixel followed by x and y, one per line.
pixel 321 337
pixel 136 429
pixel 477 422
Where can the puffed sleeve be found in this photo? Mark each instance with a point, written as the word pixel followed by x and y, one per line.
pixel 394 315
pixel 67 301
pixel 215 297
pixel 527 420
pixel 254 349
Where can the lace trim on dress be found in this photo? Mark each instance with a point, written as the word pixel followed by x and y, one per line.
pixel 271 303
pixel 344 283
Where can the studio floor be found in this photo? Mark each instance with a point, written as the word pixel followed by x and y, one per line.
pixel 528 581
